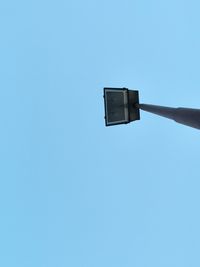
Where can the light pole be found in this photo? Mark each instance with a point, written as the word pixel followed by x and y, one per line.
pixel 122 106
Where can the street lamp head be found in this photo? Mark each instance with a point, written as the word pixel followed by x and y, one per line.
pixel 121 105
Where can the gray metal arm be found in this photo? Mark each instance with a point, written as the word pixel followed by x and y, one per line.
pixel 186 116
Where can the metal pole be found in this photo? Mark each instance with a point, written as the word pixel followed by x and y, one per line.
pixel 186 116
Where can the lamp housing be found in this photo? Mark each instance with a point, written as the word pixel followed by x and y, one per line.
pixel 121 105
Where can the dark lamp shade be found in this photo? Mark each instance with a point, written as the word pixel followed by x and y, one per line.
pixel 119 106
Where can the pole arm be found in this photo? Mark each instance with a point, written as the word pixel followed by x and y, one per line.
pixel 186 116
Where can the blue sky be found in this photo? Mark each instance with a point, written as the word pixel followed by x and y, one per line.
pixel 73 192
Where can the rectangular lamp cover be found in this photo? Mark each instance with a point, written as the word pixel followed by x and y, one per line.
pixel 120 106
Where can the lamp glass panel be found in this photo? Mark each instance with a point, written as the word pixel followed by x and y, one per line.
pixel 116 102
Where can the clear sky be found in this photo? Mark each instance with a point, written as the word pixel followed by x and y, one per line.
pixel 74 193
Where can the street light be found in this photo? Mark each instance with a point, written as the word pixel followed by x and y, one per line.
pixel 122 106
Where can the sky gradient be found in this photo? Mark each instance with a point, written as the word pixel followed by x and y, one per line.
pixel 74 193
